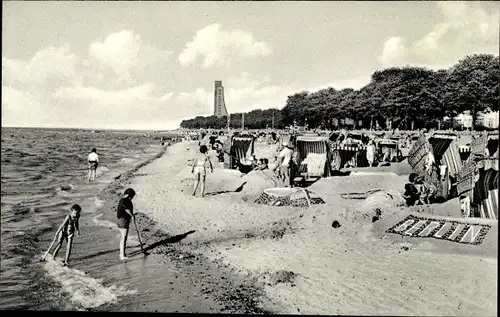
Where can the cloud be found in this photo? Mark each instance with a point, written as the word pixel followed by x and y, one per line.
pixel 464 28
pixel 136 106
pixel 125 54
pixel 394 51
pixel 22 108
pixel 58 88
pixel 48 68
pixel 218 47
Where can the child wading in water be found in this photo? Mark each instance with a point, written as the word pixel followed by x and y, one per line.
pixel 66 231
pixel 199 168
pixel 125 214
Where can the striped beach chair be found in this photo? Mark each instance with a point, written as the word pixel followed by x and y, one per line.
pixel 343 153
pixel 312 159
pixel 445 149
pixel 478 182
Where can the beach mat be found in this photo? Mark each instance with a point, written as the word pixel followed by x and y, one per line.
pixel 440 234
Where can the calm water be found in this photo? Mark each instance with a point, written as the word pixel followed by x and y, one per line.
pixel 43 173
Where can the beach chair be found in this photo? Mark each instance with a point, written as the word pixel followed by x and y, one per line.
pixel 359 137
pixel 344 154
pixel 444 147
pixel 242 146
pixel 312 159
pixel 391 147
pixel 478 182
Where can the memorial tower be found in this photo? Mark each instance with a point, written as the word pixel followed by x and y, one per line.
pixel 219 104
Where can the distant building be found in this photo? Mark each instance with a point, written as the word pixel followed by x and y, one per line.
pixel 219 104
pixel 490 119
pixel 464 120
pixel 487 119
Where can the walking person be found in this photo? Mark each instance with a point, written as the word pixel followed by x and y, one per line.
pixel 200 170
pixel 66 231
pixel 93 160
pixel 285 163
pixel 125 213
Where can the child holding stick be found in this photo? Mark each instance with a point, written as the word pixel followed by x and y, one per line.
pixel 66 231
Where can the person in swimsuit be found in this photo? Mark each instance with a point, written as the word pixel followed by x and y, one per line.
pixel 285 164
pixel 125 213
pixel 66 231
pixel 199 168
pixel 93 160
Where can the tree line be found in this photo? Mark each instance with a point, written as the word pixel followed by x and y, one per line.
pixel 401 97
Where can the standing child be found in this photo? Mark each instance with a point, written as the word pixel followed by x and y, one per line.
pixel 66 231
pixel 199 169
pixel 125 213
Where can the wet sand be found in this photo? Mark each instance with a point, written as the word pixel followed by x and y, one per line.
pixel 168 279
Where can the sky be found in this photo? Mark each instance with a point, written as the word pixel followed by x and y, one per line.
pixel 149 65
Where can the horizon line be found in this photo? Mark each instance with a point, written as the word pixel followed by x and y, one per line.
pixel 86 129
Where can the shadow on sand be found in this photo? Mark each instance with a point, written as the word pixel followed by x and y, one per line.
pixel 173 239
pixel 86 257
pixel 340 173
pixel 237 190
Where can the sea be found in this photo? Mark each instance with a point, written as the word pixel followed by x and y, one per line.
pixel 44 172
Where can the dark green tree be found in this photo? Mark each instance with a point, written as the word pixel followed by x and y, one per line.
pixel 472 84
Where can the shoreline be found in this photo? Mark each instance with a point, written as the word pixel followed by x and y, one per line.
pixel 225 254
pixel 218 285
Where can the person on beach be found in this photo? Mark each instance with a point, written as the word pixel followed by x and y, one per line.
pixel 274 165
pixel 265 164
pixel 125 213
pixel 93 160
pixel 430 161
pixel 258 167
pixel 409 195
pixel 254 162
pixel 428 192
pixel 66 231
pixel 285 163
pixel 370 153
pixel 199 168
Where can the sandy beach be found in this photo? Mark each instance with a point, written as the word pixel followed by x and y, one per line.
pixel 291 260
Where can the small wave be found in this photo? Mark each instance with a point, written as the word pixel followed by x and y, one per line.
pixel 62 193
pixel 99 202
pixel 101 170
pixel 20 209
pixel 103 223
pixel 36 177
pixel 126 160
pixel 66 187
pixel 84 291
pixel 64 190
